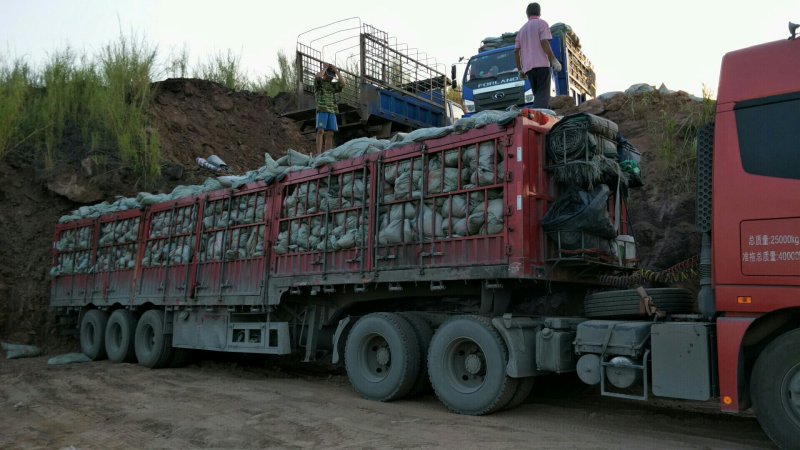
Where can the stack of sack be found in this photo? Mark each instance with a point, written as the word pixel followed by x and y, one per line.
pixel 171 241
pixel 324 232
pixel 468 214
pixel 344 231
pixel 117 245
pixel 229 243
pixel 73 247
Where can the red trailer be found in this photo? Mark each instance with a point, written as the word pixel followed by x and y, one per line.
pixel 428 263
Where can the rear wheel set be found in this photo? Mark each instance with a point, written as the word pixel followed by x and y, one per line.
pixel 382 357
pixel 119 336
pixel 467 365
pixel 122 337
pixel 389 356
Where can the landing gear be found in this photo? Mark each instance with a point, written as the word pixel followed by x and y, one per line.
pixel 467 365
pixel 92 334
pixel 382 357
pixel 775 388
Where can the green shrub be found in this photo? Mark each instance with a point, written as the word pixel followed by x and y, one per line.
pixel 120 106
pixel 225 69
pixel 283 80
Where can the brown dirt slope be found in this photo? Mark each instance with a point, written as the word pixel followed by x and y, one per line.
pixel 201 118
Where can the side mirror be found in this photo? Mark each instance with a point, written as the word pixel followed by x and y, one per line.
pixel 454 83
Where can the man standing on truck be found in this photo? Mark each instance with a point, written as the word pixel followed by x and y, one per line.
pixel 534 55
pixel 325 91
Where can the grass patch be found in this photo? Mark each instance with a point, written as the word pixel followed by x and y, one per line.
pixel 282 80
pixel 15 83
pixel 225 69
pixel 676 134
pixel 75 105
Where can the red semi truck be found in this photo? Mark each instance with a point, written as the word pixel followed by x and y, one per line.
pixel 427 263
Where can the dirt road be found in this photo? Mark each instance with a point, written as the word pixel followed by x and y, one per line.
pixel 225 404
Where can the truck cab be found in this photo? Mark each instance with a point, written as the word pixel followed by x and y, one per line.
pixel 491 80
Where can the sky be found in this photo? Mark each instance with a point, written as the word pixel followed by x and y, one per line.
pixel 679 43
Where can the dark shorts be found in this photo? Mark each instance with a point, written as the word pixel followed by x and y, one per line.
pixel 327 121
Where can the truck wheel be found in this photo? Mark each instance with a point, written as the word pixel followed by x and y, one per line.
pixel 467 365
pixel 381 357
pixel 625 303
pixel 92 336
pixel 775 388
pixel 424 333
pixel 523 392
pixel 153 347
pixel 119 336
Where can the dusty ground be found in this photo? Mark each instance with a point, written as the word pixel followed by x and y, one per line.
pixel 229 404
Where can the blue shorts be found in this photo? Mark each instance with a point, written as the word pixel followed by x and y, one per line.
pixel 327 121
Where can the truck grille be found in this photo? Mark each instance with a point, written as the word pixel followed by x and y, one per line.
pixel 499 99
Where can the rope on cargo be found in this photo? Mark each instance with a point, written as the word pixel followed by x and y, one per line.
pixel 684 271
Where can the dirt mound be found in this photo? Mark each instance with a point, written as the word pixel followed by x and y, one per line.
pixel 29 212
pixel 201 118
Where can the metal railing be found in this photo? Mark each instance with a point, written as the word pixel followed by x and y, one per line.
pixel 365 54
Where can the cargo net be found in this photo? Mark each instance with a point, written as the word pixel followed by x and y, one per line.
pixel 458 194
pixel 117 245
pixel 594 167
pixel 170 240
pixel 233 228
pixel 323 215
pixel 73 252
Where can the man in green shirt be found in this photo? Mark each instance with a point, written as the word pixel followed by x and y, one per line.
pixel 325 90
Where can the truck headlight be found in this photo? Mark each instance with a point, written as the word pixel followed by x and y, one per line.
pixel 469 105
pixel 529 96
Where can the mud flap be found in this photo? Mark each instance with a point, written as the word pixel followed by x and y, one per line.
pixel 338 343
pixel 519 334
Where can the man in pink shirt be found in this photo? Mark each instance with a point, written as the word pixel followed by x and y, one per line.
pixel 534 55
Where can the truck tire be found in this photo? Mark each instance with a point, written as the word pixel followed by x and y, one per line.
pixel 424 333
pixel 467 364
pixel 119 336
pixel 381 357
pixel 92 334
pixel 775 389
pixel 523 392
pixel 621 304
pixel 153 347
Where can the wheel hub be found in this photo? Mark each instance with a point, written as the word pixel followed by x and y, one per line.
pixel 383 356
pixel 793 388
pixel 473 364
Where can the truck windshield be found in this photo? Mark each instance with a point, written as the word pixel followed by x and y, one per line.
pixel 491 65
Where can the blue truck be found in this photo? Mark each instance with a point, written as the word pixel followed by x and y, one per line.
pixel 491 81
pixel 389 87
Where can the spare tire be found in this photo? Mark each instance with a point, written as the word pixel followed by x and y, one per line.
pixel 621 304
